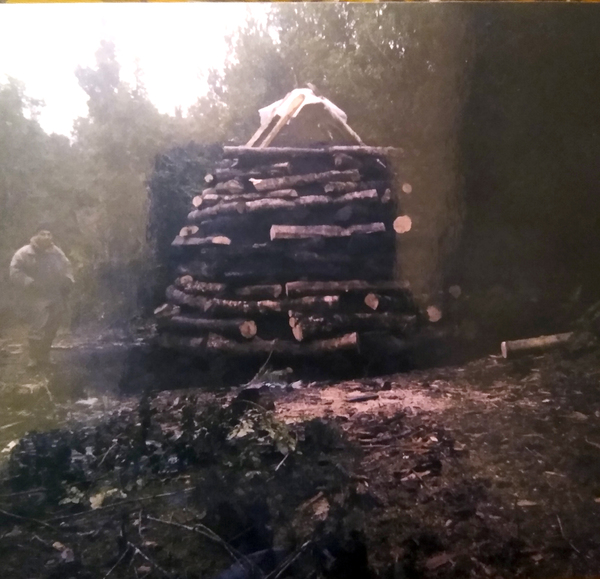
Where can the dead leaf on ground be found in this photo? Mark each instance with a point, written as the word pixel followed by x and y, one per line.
pixel 525 503
pixel 437 561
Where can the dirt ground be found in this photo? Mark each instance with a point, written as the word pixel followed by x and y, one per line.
pixel 491 469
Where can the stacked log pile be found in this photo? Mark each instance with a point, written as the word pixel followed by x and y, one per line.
pixel 289 251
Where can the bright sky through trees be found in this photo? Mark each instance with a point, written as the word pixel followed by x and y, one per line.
pixel 173 45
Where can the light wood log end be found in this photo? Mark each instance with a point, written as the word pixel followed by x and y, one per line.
pixel 197 201
pixel 434 314
pixel 248 329
pixel 372 301
pixel 402 224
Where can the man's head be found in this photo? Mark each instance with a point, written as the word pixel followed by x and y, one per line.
pixel 43 238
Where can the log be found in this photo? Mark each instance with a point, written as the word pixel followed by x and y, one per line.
pixel 528 346
pixel 349 186
pixel 233 186
pixel 310 326
pixel 308 201
pixel 306 231
pixel 344 161
pixel 383 303
pixel 307 179
pixel 189 285
pixel 217 307
pixel 228 327
pixel 166 311
pixel 270 291
pixel 270 152
pixel 274 170
pixel 316 288
pixel 211 240
pixel 220 344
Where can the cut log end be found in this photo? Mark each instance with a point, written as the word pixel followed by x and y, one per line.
pixel 221 240
pixel 511 349
pixel 455 291
pixel 248 329
pixel 197 201
pixel 407 188
pixel 188 230
pixel 434 314
pixel 372 301
pixel 402 224
pixel 297 331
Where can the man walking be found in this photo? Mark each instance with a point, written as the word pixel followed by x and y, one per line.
pixel 44 273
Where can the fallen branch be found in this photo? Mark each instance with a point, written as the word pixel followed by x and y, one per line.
pixel 144 556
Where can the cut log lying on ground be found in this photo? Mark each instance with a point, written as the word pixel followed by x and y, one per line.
pixel 383 303
pixel 349 186
pixel 309 201
pixel 229 327
pixel 213 240
pixel 306 326
pixel 297 180
pixel 271 152
pixel 316 288
pixel 306 231
pixel 515 348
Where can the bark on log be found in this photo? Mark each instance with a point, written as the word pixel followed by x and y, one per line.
pixel 212 240
pixel 189 285
pixel 271 152
pixel 212 199
pixel 349 186
pixel 344 161
pixel 233 187
pixel 307 231
pixel 316 288
pixel 271 291
pixel 227 327
pixel 514 348
pixel 309 201
pixel 298 180
pixel 220 307
pixel 306 327
pixel 274 170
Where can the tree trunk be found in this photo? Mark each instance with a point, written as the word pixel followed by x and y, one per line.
pixel 308 326
pixel 537 345
pixel 306 231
